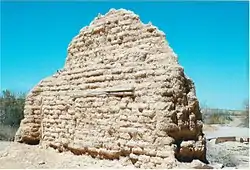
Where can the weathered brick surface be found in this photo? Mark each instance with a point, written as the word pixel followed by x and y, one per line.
pixel 121 93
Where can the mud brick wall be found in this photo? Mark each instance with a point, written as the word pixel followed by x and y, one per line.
pixel 121 93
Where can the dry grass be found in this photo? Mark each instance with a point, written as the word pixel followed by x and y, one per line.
pixel 218 117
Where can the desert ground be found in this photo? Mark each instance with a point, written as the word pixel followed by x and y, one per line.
pixel 223 155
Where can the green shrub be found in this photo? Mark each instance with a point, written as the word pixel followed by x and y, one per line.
pixel 218 117
pixel 246 114
pixel 11 113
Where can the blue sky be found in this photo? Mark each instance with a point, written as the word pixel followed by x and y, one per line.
pixel 210 39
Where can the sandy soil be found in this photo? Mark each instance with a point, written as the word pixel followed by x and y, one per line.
pixel 209 128
pixel 225 131
pixel 16 155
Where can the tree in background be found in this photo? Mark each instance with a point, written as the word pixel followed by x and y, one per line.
pixel 246 113
pixel 11 108
pixel 11 113
pixel 204 111
pixel 215 116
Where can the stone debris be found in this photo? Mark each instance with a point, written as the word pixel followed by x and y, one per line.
pixel 121 93
pixel 230 138
pixel 231 154
pixel 236 139
pixel 224 139
pixel 41 162
pixel 196 164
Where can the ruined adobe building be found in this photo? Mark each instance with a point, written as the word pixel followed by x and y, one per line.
pixel 120 93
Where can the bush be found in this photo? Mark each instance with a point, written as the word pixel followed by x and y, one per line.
pixel 246 114
pixel 217 117
pixel 11 113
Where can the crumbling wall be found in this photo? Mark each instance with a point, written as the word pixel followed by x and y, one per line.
pixel 121 93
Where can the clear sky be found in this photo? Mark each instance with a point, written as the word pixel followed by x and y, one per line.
pixel 210 39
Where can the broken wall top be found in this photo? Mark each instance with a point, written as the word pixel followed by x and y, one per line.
pixel 119 35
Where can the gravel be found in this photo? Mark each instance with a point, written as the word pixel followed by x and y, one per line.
pixel 230 154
